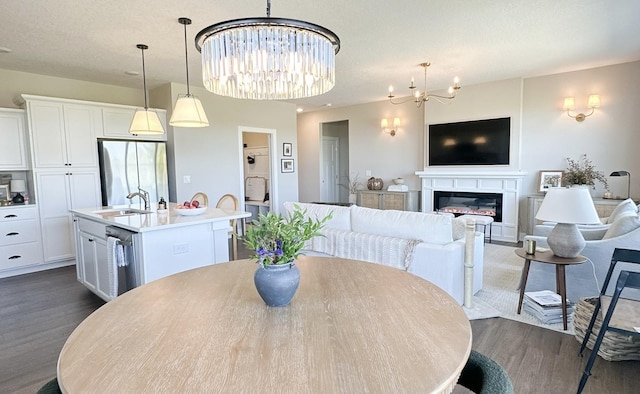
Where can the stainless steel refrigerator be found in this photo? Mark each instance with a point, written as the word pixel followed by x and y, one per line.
pixel 127 165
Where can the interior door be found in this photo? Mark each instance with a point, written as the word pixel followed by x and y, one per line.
pixel 329 171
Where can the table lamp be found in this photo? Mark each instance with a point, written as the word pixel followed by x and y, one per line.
pixel 567 207
pixel 627 174
pixel 18 186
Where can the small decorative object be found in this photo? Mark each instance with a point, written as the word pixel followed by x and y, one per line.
pixel 549 179
pixel 398 181
pixel 18 186
pixel 375 184
pixel 582 172
pixel 286 165
pixel 276 243
pixel 287 149
pixel 352 184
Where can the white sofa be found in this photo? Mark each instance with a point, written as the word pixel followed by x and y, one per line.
pixel 428 245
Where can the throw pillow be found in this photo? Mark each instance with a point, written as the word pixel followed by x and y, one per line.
pixel 624 207
pixel 622 226
pixel 459 227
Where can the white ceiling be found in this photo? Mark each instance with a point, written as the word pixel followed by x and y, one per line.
pixel 383 41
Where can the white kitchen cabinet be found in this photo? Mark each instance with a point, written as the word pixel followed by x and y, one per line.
pixel 63 134
pixel 91 256
pixel 58 192
pixel 20 243
pixel 13 141
pixel 116 122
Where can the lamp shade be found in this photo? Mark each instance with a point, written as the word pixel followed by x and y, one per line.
pixel 568 205
pixel 188 112
pixel 146 121
pixel 18 186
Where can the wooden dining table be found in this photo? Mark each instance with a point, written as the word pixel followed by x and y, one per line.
pixel 352 327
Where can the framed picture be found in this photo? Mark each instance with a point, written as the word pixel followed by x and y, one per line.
pixel 4 192
pixel 286 165
pixel 549 179
pixel 287 149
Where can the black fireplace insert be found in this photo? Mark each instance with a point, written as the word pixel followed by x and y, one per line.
pixel 469 203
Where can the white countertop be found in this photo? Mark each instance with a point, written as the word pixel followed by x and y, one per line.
pixel 157 221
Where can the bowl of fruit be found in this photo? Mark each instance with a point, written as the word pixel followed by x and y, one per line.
pixel 190 208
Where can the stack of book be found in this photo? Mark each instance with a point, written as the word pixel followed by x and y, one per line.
pixel 546 306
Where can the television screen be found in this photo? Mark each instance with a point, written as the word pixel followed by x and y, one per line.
pixel 477 142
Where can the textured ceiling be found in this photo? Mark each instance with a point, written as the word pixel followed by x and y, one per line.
pixel 383 41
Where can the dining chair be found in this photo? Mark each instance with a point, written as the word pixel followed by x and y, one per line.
pixel 230 202
pixel 202 198
pixel 483 375
pixel 51 387
pixel 625 319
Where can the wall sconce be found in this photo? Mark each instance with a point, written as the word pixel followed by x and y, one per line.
pixel 384 124
pixel 570 105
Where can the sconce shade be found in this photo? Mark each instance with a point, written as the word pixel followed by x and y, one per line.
pixel 146 121
pixel 384 123
pixel 567 207
pixel 594 101
pixel 396 123
pixel 569 104
pixel 188 112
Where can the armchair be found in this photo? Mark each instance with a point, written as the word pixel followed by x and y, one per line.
pixel 600 244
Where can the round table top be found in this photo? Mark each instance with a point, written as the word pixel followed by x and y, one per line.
pixel 351 327
pixel 548 257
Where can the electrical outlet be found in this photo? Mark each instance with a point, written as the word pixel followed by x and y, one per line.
pixel 180 248
pixel 186 179
pixel 367 173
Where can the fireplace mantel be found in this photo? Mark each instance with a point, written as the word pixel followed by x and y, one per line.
pixel 506 182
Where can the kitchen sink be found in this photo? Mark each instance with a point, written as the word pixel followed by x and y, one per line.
pixel 106 213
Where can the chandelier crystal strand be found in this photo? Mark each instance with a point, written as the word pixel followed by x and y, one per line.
pixel 268 58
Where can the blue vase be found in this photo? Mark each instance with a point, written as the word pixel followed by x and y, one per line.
pixel 277 284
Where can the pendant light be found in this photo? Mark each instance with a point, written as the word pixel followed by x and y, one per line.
pixel 145 121
pixel 188 111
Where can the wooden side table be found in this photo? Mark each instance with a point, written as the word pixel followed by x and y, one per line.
pixel 548 257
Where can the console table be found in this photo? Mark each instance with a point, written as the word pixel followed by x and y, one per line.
pixel 384 199
pixel 352 327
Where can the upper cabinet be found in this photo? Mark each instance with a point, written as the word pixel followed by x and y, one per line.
pixel 13 142
pixel 116 122
pixel 63 134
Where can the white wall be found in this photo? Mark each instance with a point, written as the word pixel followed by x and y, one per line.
pixel 369 148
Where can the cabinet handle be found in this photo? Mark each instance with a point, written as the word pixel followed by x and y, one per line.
pixel 14 257
pixel 11 216
pixel 11 234
pixel 91 239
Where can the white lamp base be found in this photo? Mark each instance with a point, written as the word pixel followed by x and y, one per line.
pixel 565 240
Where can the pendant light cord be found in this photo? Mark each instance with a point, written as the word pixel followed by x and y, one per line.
pixel 144 76
pixel 268 8
pixel 186 57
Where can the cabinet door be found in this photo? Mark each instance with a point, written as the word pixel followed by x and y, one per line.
pixel 394 201
pixel 100 250
pixel 116 123
pixel 46 122
pixel 87 259
pixel 13 149
pixel 84 189
pixel 370 200
pixel 54 204
pixel 80 134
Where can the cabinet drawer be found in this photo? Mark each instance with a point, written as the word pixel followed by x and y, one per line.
pixel 18 232
pixel 20 255
pixel 91 227
pixel 12 214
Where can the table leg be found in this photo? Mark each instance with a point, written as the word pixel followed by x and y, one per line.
pixel 523 282
pixel 562 290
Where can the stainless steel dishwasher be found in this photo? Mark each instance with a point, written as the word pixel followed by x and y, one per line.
pixel 129 275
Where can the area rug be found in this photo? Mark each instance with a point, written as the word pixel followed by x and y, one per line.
pixel 499 294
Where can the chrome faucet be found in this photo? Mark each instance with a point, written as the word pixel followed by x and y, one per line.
pixel 143 194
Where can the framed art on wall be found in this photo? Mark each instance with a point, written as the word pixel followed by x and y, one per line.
pixel 286 165
pixel 549 179
pixel 287 149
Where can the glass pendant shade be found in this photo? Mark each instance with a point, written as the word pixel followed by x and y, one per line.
pixel 188 112
pixel 268 58
pixel 146 121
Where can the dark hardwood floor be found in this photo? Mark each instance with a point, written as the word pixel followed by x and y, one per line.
pixel 38 312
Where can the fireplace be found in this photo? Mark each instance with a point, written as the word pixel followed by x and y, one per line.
pixel 469 203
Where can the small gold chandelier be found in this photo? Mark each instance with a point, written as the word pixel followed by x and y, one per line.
pixel 419 97
pixel 267 58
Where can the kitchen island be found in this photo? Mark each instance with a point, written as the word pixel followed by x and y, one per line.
pixel 157 244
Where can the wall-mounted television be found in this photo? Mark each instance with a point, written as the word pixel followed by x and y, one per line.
pixel 476 142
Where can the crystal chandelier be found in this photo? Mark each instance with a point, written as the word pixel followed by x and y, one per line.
pixel 267 58
pixel 419 97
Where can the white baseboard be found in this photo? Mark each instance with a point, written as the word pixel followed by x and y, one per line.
pixel 36 268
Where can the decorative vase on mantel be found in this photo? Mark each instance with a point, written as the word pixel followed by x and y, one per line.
pixel 277 283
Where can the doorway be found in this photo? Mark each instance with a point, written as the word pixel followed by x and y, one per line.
pixel 334 161
pixel 259 191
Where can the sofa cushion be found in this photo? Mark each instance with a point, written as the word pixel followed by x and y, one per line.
pixel 341 219
pixel 622 226
pixel 435 229
pixel 459 228
pixel 625 206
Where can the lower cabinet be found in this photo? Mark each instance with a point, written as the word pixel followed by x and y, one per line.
pixel 91 257
pixel 380 199
pixel 20 244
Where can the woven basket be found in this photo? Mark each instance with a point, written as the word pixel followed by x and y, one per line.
pixel 614 346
